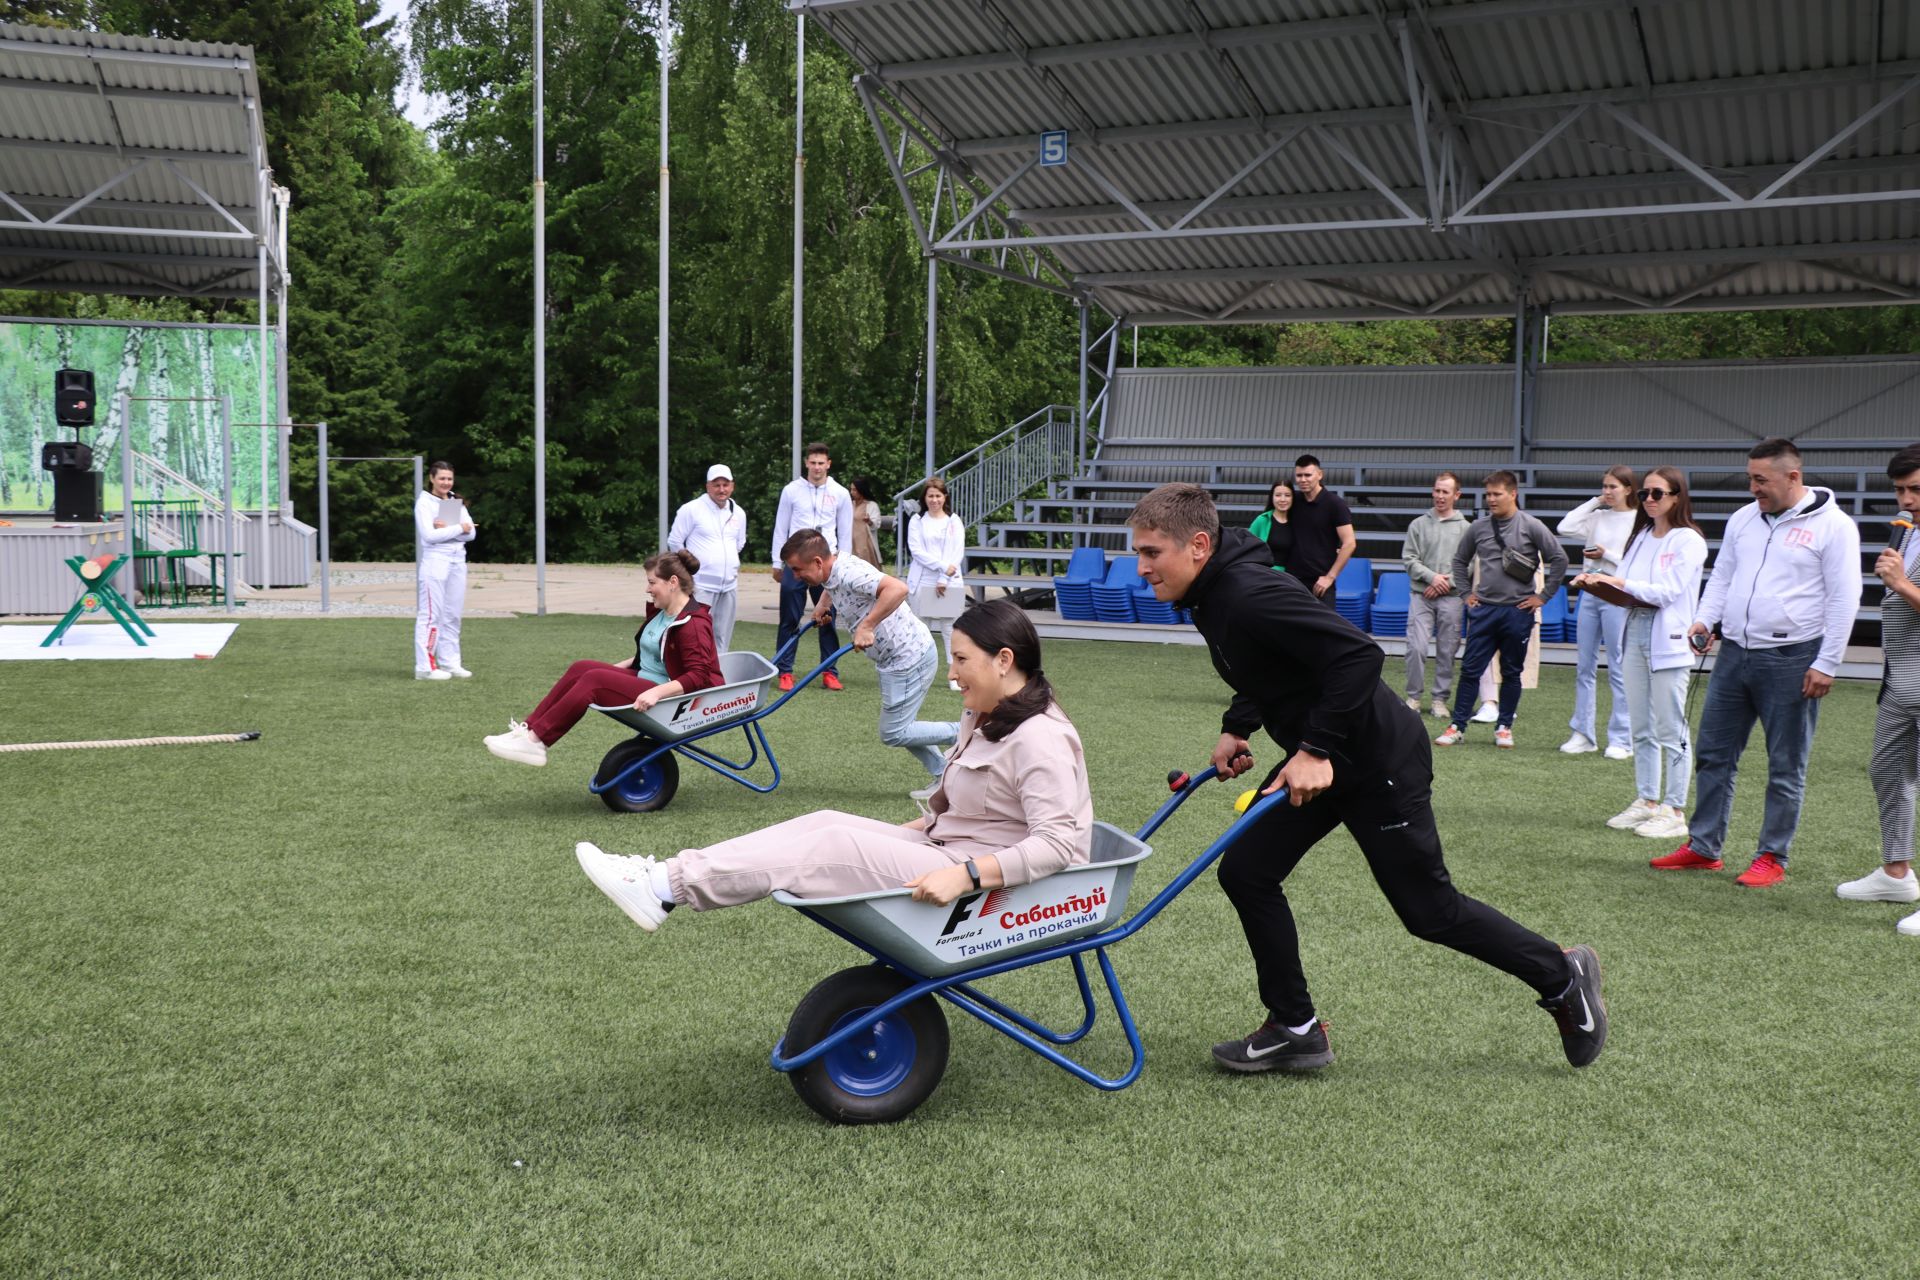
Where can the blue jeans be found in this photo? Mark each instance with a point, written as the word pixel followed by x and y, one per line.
pixel 794 597
pixel 1492 628
pixel 901 693
pixel 1749 685
pixel 1657 708
pixel 1599 622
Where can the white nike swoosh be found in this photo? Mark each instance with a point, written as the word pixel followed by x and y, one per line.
pixel 1588 1009
pixel 1261 1053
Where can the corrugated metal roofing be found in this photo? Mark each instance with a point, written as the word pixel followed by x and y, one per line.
pixel 1166 100
pixel 80 109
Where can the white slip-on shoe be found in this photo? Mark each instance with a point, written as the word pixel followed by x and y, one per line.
pixel 1910 925
pixel 1667 823
pixel 1633 815
pixel 1487 714
pixel 628 881
pixel 518 745
pixel 1878 886
pixel 460 672
pixel 1578 745
pixel 419 674
pixel 1618 752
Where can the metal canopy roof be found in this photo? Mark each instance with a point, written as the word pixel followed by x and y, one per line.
pixel 1259 160
pixel 133 166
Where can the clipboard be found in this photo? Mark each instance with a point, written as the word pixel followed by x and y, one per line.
pixel 453 513
pixel 1614 595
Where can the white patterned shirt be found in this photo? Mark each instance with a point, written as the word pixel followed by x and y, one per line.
pixel 900 639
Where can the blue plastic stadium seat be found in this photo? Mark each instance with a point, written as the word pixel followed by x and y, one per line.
pixel 1113 599
pixel 1390 603
pixel 1073 590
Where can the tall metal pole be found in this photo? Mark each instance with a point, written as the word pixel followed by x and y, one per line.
pixel 131 580
pixel 665 181
pixel 933 352
pixel 799 214
pixel 266 511
pixel 539 312
pixel 1080 418
pixel 326 541
pixel 1519 368
pixel 281 197
pixel 226 480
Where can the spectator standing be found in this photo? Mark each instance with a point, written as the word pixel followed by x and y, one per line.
pixel 1322 524
pixel 714 528
pixel 1274 526
pixel 937 546
pixel 1894 767
pixel 814 501
pixel 1603 524
pixel 1511 548
pixel 442 578
pixel 866 520
pixel 1784 593
pixel 1437 608
pixel 1659 577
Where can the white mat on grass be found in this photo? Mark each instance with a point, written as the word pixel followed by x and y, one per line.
pixel 107 640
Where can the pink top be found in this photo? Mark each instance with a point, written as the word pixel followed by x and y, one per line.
pixel 1023 798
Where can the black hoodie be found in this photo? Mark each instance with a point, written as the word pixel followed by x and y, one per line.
pixel 1297 668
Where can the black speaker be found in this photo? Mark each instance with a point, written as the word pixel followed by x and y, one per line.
pixel 65 455
pixel 73 397
pixel 76 496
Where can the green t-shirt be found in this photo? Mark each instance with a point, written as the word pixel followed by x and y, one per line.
pixel 652 636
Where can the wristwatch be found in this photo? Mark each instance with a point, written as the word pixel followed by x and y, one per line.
pixel 973 873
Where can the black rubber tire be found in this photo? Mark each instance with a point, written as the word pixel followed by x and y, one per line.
pixel 875 1078
pixel 650 789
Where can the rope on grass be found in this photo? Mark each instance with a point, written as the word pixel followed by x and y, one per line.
pixel 249 736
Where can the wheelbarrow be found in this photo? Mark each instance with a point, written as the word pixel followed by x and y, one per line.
pixel 869 1044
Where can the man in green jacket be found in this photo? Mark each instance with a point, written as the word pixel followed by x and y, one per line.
pixel 1437 607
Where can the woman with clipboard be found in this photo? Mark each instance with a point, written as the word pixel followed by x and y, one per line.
pixel 1659 585
pixel 937 543
pixel 440 518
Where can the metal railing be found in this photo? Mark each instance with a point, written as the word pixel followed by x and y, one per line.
pixel 149 473
pixel 1038 449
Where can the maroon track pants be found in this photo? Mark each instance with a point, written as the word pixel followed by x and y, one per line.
pixel 585 683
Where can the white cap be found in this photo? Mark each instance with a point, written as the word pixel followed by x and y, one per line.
pixel 718 471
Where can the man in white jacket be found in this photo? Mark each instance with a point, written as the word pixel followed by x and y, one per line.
pixel 714 528
pixel 1784 593
pixel 814 501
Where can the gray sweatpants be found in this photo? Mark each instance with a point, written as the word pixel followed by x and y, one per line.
pixel 1438 620
pixel 1894 769
pixel 724 606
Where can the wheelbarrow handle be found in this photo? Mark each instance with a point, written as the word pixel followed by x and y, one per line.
pixel 793 643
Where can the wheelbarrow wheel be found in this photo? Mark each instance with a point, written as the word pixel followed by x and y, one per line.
pixel 886 1070
pixel 647 788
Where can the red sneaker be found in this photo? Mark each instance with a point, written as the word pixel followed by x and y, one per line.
pixel 1685 859
pixel 831 681
pixel 786 681
pixel 1765 872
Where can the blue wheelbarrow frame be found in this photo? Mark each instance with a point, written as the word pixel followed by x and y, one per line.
pixel 855 1050
pixel 644 781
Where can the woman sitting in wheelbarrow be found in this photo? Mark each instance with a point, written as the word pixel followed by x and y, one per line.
pixel 1011 807
pixel 673 653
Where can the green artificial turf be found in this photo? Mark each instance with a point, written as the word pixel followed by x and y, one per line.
pixel 340 1003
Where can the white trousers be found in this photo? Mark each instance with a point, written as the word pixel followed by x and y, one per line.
pixel 436 628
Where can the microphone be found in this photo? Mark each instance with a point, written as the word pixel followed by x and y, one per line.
pixel 1898 531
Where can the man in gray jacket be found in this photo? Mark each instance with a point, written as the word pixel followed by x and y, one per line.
pixel 1438 603
pixel 1510 546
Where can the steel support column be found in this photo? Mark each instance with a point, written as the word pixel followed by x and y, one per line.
pixel 933 355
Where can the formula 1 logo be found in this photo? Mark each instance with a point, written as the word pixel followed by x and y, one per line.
pixel 963 908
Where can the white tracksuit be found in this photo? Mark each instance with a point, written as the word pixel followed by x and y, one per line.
pixel 443 588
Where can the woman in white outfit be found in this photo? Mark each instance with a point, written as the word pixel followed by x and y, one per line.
pixel 1603 524
pixel 443 580
pixel 937 543
pixel 1660 570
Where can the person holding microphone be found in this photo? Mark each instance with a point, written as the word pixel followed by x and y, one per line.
pixel 442 576
pixel 1603 524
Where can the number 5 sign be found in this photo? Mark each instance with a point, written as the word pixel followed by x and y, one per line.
pixel 1053 148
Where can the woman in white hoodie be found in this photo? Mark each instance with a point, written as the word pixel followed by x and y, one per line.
pixel 442 578
pixel 1660 571
pixel 937 543
pixel 1604 524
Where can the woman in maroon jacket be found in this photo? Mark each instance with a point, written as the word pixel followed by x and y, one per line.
pixel 673 654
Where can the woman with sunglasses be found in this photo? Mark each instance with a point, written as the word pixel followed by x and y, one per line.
pixel 1659 579
pixel 1603 524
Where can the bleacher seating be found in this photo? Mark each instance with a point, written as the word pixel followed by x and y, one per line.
pixel 1073 590
pixel 1353 592
pixel 1113 599
pixel 1390 604
pixel 1553 617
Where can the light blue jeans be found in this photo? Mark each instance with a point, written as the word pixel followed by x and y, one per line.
pixel 901 694
pixel 1657 710
pixel 1749 685
pixel 1599 622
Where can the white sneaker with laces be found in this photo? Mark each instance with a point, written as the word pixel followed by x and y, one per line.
pixel 1578 745
pixel 1452 737
pixel 1440 710
pixel 1633 815
pixel 518 744
pixel 437 673
pixel 628 881
pixel 1878 886
pixel 1503 737
pixel 460 672
pixel 1667 823
pixel 1618 752
pixel 1413 704
pixel 1487 714
pixel 1910 925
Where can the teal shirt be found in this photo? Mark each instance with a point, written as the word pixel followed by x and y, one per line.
pixel 652 636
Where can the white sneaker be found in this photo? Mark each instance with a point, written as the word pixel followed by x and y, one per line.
pixel 1487 714
pixel 628 881
pixel 1633 815
pixel 1453 736
pixel 1503 737
pixel 1413 704
pixel 1578 745
pixel 438 673
pixel 519 744
pixel 1618 752
pixel 1439 710
pixel 923 798
pixel 1878 886
pixel 1667 823
pixel 461 672
pixel 1910 925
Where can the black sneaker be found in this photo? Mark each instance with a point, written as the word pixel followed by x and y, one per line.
pixel 1579 1010
pixel 1274 1048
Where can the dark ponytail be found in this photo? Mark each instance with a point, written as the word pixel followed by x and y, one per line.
pixel 1002 624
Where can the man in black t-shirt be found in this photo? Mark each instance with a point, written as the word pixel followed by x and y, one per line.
pixel 1322 523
